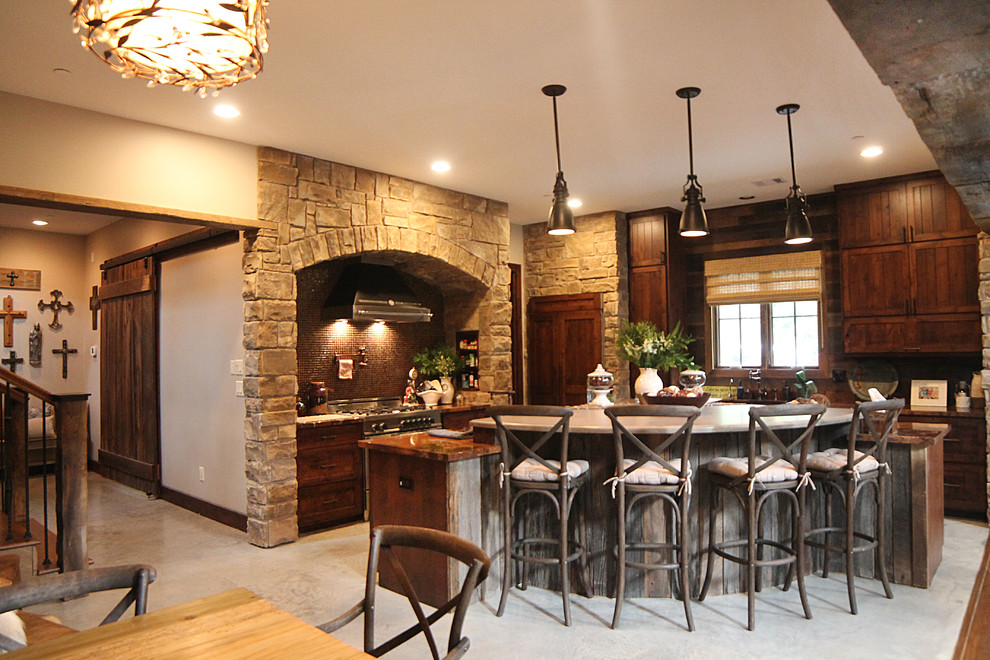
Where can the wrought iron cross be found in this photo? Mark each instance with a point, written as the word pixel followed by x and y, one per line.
pixel 9 314
pixel 64 352
pixel 12 361
pixel 12 276
pixel 56 306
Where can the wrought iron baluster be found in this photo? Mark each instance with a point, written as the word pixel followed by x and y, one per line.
pixel 44 480
pixel 8 478
pixel 27 467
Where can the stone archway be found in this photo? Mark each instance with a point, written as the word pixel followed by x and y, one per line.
pixel 324 211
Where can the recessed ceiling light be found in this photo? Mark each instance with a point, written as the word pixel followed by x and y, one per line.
pixel 440 166
pixel 40 223
pixel 871 152
pixel 574 202
pixel 226 111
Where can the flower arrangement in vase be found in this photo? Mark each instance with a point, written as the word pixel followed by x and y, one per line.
pixel 440 362
pixel 651 349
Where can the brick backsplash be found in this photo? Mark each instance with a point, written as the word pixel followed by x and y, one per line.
pixel 389 348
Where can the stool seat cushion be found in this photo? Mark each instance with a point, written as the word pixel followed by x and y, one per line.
pixel 532 470
pixel 837 458
pixel 739 467
pixel 652 472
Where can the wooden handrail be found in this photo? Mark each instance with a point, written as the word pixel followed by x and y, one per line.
pixel 24 385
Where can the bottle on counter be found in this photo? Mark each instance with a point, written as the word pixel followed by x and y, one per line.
pixel 317 398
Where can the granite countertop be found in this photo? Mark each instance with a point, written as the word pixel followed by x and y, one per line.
pixel 334 419
pixel 946 412
pixel 424 445
pixel 918 433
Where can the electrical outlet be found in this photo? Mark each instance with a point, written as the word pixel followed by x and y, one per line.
pixel 202 473
pixel 838 375
pixel 239 387
pixel 92 351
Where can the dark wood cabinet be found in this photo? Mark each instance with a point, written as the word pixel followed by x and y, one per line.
pixel 909 268
pixel 565 343
pixel 656 268
pixel 916 207
pixel 460 420
pixel 330 475
pixel 965 460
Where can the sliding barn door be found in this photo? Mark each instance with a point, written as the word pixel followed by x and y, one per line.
pixel 129 443
pixel 565 343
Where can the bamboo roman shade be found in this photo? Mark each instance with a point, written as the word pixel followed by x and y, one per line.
pixel 769 278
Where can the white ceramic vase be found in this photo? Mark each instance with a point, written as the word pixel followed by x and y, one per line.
pixel 648 382
pixel 448 390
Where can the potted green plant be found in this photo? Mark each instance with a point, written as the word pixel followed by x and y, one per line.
pixel 651 349
pixel 439 361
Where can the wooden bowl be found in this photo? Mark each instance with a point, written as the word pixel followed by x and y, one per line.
pixel 696 401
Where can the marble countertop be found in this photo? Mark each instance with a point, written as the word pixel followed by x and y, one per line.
pixel 424 445
pixel 731 418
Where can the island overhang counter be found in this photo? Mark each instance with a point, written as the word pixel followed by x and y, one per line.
pixel 914 535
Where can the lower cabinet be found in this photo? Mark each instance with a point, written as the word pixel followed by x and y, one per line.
pixel 965 460
pixel 460 420
pixel 330 475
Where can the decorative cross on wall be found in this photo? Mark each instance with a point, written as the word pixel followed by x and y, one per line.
pixel 13 277
pixel 56 306
pixel 94 305
pixel 64 352
pixel 9 314
pixel 12 361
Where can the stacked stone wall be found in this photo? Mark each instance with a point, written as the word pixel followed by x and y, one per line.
pixel 591 260
pixel 324 210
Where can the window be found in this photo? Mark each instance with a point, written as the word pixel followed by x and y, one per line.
pixel 765 311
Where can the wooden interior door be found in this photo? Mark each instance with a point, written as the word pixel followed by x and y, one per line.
pixel 129 443
pixel 565 343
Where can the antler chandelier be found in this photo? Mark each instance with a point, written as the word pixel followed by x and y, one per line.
pixel 193 44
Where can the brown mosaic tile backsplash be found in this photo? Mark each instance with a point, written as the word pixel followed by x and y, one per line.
pixel 389 348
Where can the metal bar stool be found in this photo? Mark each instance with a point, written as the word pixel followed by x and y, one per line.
pixel 531 466
pixel 646 474
pixel 845 471
pixel 770 468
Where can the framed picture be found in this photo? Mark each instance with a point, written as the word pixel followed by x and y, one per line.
pixel 929 394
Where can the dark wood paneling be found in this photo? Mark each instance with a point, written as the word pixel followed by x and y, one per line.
pixel 407 490
pixel 206 509
pixel 129 411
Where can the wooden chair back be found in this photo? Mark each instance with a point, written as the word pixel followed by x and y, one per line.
pixel 515 450
pixel 773 447
pixel 871 426
pixel 383 539
pixel 135 578
pixel 655 450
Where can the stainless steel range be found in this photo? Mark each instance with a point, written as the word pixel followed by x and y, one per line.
pixel 380 416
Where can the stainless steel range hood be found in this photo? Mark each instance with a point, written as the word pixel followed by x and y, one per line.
pixel 373 292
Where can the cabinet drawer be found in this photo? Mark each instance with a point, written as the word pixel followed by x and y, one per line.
pixel 325 504
pixel 965 442
pixel 326 464
pixel 311 437
pixel 966 488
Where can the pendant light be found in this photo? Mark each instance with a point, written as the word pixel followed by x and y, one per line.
pixel 693 220
pixel 798 229
pixel 198 45
pixel 561 220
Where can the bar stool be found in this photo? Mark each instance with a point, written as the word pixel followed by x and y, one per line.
pixel 532 466
pixel 770 468
pixel 845 471
pixel 646 475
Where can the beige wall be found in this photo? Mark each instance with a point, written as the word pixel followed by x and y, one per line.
pixel 57 148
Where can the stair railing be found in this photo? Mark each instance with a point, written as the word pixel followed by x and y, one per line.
pixel 69 467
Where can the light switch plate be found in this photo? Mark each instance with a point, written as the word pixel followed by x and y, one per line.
pixel 239 387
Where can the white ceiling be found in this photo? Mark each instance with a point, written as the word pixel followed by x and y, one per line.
pixel 392 85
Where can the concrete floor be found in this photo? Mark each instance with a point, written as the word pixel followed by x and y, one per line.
pixel 322 575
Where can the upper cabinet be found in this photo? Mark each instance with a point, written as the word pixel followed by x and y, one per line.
pixel 656 269
pixel 900 210
pixel 909 268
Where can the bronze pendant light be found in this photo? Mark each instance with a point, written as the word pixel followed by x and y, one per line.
pixel 561 220
pixel 693 220
pixel 798 229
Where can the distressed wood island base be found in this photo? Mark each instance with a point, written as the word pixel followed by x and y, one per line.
pixel 914 529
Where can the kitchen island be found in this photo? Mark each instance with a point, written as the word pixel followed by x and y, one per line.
pixel 428 481
pixel 722 430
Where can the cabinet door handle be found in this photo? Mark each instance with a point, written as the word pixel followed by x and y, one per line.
pixel 328 466
pixel 329 501
pixel 904 234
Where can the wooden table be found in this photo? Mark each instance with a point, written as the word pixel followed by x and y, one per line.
pixel 233 624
